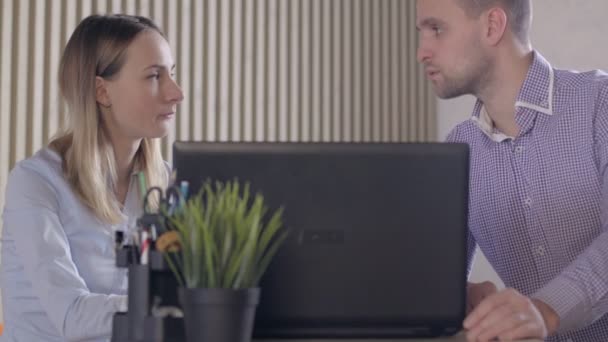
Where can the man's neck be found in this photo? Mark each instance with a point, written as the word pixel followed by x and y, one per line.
pixel 500 96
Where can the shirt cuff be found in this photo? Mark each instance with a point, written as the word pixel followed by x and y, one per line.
pixel 568 301
pixel 120 303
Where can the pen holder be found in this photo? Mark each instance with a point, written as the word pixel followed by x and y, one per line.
pixel 152 293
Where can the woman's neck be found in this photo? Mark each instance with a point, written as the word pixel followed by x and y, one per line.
pixel 125 158
pixel 125 151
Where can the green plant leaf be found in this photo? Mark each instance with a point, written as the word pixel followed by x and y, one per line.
pixel 225 241
pixel 267 258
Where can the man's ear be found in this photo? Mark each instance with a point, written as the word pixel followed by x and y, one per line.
pixel 496 25
pixel 101 92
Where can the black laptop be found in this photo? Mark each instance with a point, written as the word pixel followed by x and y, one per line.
pixel 377 242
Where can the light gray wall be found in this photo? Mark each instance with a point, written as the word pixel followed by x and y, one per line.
pixel 571 34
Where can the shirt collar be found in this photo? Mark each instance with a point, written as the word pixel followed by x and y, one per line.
pixel 536 93
pixel 484 122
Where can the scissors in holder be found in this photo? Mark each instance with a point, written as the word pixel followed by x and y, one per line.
pixel 158 204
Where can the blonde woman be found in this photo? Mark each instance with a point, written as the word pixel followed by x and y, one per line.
pixel 58 276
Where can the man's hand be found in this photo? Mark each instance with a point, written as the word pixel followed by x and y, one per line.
pixel 509 315
pixel 477 292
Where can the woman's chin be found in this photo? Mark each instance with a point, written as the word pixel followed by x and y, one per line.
pixel 157 133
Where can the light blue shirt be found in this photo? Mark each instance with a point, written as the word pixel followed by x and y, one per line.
pixel 58 276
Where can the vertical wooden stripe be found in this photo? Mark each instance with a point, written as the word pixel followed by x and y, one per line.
pixel 387 67
pixel 36 73
pixel 357 70
pixel 404 56
pixel 396 61
pixel 129 6
pixel 346 84
pixel 171 29
pixel 248 65
pixel 318 86
pixel 205 47
pixel 283 81
pixel 78 9
pixel 377 70
pixel 277 120
pixel 223 51
pixel 255 46
pixel 235 70
pixel 241 74
pixel 299 54
pixel 338 92
pixel 294 62
pixel 412 75
pixel 53 47
pixel 326 75
pixel 196 93
pixel 367 93
pixel 100 7
pixel 29 129
pixel 142 7
pixel 329 75
pixel 184 68
pixel 115 6
pixel 6 24
pixel 212 70
pixel 270 117
pixel 260 82
pixel 19 81
pixel 307 67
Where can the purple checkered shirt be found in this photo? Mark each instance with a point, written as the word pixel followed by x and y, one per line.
pixel 539 201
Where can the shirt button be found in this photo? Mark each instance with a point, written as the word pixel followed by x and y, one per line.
pixel 540 250
pixel 519 149
pixel 528 201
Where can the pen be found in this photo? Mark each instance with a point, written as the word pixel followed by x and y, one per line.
pixel 183 188
pixel 145 247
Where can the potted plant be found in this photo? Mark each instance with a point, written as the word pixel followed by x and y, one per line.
pixel 227 238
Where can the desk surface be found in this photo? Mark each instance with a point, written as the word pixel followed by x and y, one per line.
pixel 450 339
pixel 457 338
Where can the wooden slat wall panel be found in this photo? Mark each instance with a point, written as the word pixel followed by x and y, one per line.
pixel 252 70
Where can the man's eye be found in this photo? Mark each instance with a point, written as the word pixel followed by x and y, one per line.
pixel 437 30
pixel 156 76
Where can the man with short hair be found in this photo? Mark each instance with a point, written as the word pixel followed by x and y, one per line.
pixel 538 184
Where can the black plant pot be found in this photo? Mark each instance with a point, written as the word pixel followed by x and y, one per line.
pixel 219 315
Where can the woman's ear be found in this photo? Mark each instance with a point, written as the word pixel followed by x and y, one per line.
pixel 101 92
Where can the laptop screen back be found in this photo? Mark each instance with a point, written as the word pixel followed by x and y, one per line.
pixel 377 242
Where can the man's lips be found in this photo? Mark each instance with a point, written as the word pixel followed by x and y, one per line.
pixel 432 73
pixel 167 115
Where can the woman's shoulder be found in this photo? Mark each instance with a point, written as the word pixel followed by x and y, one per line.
pixel 46 164
pixel 39 175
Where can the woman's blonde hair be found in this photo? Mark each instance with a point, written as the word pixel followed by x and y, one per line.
pixel 98 48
